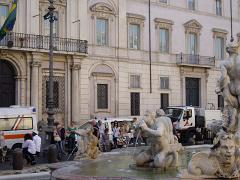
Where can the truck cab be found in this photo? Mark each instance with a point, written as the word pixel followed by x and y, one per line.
pixel 182 117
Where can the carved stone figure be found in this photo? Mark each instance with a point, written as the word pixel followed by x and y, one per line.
pixel 87 144
pixel 221 162
pixel 160 136
pixel 223 159
pixel 228 86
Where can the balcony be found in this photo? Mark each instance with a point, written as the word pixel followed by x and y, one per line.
pixel 195 60
pixel 31 41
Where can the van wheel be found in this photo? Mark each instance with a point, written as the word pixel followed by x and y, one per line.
pixel 15 146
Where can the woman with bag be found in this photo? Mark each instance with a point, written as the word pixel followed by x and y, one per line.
pixel 57 141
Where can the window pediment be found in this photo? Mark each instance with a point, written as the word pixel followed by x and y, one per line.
pixel 223 31
pixel 238 36
pixel 219 32
pixel 56 2
pixel 163 23
pixel 193 26
pixel 135 18
pixel 102 8
pixel 103 69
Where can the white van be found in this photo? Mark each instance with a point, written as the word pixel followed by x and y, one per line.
pixel 108 123
pixel 15 122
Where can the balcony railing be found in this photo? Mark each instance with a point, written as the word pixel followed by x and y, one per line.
pixel 195 60
pixel 32 41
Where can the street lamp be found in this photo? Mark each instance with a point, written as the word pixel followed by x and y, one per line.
pixel 50 16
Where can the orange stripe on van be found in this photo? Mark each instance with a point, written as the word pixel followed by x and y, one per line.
pixel 14 136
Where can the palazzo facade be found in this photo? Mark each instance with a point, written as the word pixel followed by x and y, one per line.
pixel 102 64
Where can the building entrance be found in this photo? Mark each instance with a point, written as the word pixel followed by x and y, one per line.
pixel 192 91
pixel 7 84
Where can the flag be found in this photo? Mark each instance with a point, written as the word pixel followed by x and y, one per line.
pixel 10 21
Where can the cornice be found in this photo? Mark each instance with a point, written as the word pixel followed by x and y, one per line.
pixel 217 30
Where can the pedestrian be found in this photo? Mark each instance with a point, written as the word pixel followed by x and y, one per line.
pixel 116 134
pixel 101 128
pixel 29 149
pixel 37 140
pixel 2 139
pixel 3 147
pixel 57 140
pixel 95 128
pixel 105 141
pixel 72 139
pixel 62 134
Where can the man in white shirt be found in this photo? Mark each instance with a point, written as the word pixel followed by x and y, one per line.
pixel 29 149
pixel 37 140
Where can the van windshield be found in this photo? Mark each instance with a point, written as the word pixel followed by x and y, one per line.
pixel 16 123
pixel 174 113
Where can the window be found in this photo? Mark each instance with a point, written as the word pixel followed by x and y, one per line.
pixel 55 26
pixel 18 123
pixel 164 82
pixel 102 32
pixel 55 94
pixel 191 4
pixel 164 101
pixel 219 48
pixel 163 1
pixel 134 36
pixel 135 81
pixel 192 43
pixel 220 102
pixel 219 7
pixel 3 14
pixel 102 96
pixel 135 104
pixel 164 40
pixel 24 124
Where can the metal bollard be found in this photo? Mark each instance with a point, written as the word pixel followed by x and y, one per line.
pixel 17 161
pixel 52 153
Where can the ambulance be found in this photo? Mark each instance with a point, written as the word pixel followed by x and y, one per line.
pixel 15 122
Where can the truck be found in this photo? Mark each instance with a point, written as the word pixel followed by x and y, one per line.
pixel 190 123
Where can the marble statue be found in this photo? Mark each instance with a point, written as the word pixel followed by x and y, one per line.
pixel 223 160
pixel 160 136
pixel 228 85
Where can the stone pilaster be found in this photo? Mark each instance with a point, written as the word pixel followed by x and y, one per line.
pixel 35 84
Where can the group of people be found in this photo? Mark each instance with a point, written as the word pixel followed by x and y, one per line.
pixel 31 147
pixel 101 132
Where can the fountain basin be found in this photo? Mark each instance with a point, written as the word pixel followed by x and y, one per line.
pixel 120 165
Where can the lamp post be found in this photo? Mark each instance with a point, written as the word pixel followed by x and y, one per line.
pixel 50 16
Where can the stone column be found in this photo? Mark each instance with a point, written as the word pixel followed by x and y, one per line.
pixel 34 84
pixel 75 92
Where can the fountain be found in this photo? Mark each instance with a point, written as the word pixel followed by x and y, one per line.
pixel 160 160
pixel 165 157
pixel 223 161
